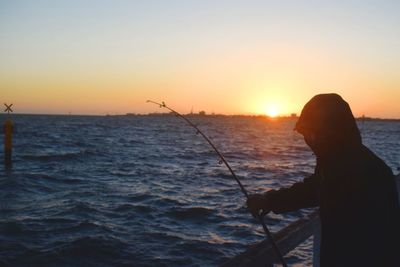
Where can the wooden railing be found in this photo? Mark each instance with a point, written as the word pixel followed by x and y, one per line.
pixel 263 254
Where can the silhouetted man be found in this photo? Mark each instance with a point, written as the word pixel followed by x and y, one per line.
pixel 354 189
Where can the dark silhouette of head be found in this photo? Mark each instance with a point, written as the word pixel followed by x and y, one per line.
pixel 328 125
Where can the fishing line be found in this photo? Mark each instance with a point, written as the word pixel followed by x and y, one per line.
pixel 222 158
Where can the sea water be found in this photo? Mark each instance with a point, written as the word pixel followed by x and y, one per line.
pixel 148 190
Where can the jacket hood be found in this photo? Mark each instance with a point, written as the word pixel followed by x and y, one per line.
pixel 330 119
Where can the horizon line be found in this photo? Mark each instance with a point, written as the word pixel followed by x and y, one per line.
pixel 293 115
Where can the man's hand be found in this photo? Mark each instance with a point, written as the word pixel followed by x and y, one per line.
pixel 258 205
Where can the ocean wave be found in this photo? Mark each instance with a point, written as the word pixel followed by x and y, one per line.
pixel 12 251
pixel 143 209
pixel 203 249
pixel 56 156
pixel 138 197
pixel 190 213
pixel 85 251
pixel 75 208
pixel 14 228
pixel 58 178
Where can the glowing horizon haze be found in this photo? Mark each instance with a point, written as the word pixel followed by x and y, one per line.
pixel 228 57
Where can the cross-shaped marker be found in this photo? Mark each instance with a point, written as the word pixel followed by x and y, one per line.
pixel 8 108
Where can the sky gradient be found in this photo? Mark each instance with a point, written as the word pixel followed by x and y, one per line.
pixel 231 57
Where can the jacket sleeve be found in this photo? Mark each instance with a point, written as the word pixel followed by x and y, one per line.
pixel 300 195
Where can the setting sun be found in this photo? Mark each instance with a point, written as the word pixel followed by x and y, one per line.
pixel 272 111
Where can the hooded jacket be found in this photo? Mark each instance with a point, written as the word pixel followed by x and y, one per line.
pixel 354 189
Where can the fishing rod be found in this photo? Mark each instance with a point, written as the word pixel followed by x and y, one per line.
pixel 222 159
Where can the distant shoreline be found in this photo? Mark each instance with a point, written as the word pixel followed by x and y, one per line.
pixel 189 115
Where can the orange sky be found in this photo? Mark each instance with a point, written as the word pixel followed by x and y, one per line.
pixel 230 57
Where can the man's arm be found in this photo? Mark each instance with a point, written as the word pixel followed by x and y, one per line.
pixel 300 195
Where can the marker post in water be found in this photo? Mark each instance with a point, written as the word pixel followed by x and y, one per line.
pixel 8 131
